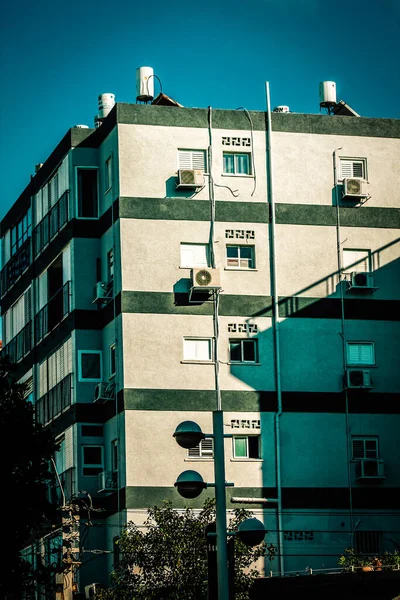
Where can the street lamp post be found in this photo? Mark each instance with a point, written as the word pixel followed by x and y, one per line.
pixel 190 484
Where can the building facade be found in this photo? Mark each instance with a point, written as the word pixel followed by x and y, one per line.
pixel 173 255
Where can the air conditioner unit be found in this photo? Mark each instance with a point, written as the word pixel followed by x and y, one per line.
pixel 101 292
pixel 190 178
pixel 354 188
pixel 107 481
pixel 371 468
pixel 362 280
pixel 204 278
pixel 103 392
pixel 92 589
pixel 359 379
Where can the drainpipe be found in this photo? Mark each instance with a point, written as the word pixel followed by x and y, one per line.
pixel 343 335
pixel 275 304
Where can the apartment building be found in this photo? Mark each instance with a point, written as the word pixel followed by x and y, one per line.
pixel 172 254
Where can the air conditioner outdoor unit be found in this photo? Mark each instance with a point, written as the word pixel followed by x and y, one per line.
pixel 90 590
pixel 362 280
pixel 354 188
pixel 190 178
pixel 101 291
pixel 204 278
pixel 371 468
pixel 103 392
pixel 107 481
pixel 359 379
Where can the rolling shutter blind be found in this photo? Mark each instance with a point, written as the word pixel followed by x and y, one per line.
pixel 194 255
pixel 204 450
pixel 43 385
pixel 360 354
pixel 197 349
pixel 351 168
pixel 356 260
pixel 365 448
pixel 192 159
pixel 63 177
pixel 66 264
pixel 6 247
pixel 42 290
pixel 69 449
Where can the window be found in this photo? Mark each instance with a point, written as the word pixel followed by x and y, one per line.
pixel 368 542
pixel 90 365
pixel 110 265
pixel 20 232
pixel 194 255
pixel 197 349
pixel 243 351
pixel 108 174
pixel 360 353
pixel 87 193
pixel 364 447
pixel 241 257
pixel 356 260
pixel 114 455
pixel 353 167
pixel 92 460
pixel 246 446
pixel 192 159
pixel 112 360
pixel 236 163
pixel 204 450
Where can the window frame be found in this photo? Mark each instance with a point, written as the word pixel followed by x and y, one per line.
pixel 210 341
pixel 364 439
pixel 86 168
pixel 246 438
pixel 242 361
pixel 110 265
pixel 197 265
pixel 252 261
pixel 92 465
pixel 360 364
pixel 89 379
pixel 353 159
pixel 236 155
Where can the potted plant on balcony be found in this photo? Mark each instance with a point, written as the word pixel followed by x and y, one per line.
pixel 353 561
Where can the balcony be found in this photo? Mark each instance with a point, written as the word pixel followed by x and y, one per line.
pixel 57 308
pixel 20 345
pixel 51 224
pixel 14 268
pixel 68 484
pixel 51 405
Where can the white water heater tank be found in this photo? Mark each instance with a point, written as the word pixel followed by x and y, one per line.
pixel 144 84
pixel 106 103
pixel 281 109
pixel 327 94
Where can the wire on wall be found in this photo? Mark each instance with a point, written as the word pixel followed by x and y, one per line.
pixel 253 163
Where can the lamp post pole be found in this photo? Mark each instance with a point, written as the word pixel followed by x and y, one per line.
pixel 220 499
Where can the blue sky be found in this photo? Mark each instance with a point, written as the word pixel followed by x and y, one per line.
pixel 56 58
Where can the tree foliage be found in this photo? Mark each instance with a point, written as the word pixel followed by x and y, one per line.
pixel 167 558
pixel 25 450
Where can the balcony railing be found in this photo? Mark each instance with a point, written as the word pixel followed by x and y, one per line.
pixel 52 404
pixel 57 308
pixel 68 485
pixel 20 345
pixel 16 266
pixel 51 224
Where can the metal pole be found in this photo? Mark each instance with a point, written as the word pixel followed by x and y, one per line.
pixel 219 474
